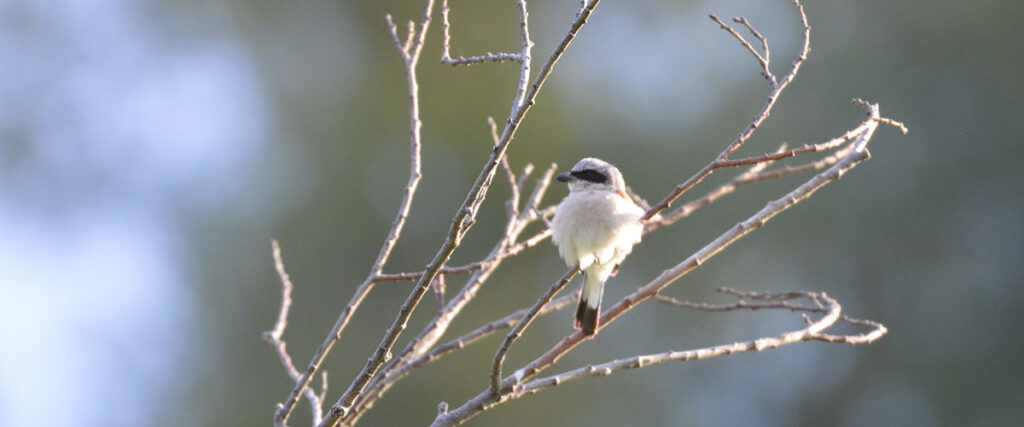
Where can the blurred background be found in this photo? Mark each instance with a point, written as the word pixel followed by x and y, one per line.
pixel 149 151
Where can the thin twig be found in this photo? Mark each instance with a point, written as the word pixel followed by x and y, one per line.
pixel 812 332
pixel 446 38
pixel 410 52
pixel 436 328
pixel 514 334
pixel 709 198
pixel 776 89
pixel 760 59
pixel 512 205
pixel 755 175
pixel 456 344
pixel 764 43
pixel 274 338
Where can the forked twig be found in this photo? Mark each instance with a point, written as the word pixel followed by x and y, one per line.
pixel 514 334
pixel 274 338
pixel 814 331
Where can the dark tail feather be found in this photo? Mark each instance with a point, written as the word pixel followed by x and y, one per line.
pixel 587 317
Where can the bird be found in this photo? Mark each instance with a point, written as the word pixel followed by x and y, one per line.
pixel 595 227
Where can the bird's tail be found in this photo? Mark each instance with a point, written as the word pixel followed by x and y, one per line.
pixel 589 309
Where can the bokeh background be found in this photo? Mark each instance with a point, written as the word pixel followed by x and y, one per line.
pixel 149 151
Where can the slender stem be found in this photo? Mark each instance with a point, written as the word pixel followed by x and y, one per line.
pixel 762 115
pixel 275 339
pixel 517 331
pixel 812 332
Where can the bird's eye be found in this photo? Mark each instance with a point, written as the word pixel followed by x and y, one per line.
pixel 590 175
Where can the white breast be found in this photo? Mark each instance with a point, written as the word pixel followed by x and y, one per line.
pixel 596 227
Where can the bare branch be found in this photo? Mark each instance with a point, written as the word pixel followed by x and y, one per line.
pixel 760 59
pixel 773 95
pixel 446 38
pixel 286 296
pixel 274 338
pixel 812 332
pixel 453 345
pixel 439 289
pixel 436 328
pixel 754 174
pixel 402 49
pixel 410 52
pixel 759 37
pixel 512 205
pixel 898 125
pixel 808 148
pixel 709 198
pixel 514 334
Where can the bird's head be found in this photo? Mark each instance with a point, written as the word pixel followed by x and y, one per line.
pixel 592 174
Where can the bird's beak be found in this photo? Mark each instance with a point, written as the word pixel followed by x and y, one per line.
pixel 565 177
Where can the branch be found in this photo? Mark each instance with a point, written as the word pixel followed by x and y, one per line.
pixel 514 334
pixel 709 198
pixel 274 338
pixel 814 331
pixel 776 89
pixel 754 174
pixel 410 52
pixel 456 344
pixel 436 328
pixel 487 57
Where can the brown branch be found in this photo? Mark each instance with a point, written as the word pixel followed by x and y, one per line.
pixel 274 338
pixel 485 263
pixel 453 345
pixel 814 331
pixel 410 52
pixel 776 90
pixel 517 331
pixel 709 198
pixel 808 148
pixel 762 60
pixel 754 174
pixel 797 169
pixel 485 330
pixel 512 205
pixel 764 43
pixel 446 38
pixel 436 328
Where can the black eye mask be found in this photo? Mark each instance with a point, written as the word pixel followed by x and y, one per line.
pixel 590 175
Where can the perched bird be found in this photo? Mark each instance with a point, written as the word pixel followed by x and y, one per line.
pixel 595 226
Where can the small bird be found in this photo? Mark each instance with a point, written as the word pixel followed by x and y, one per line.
pixel 595 226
